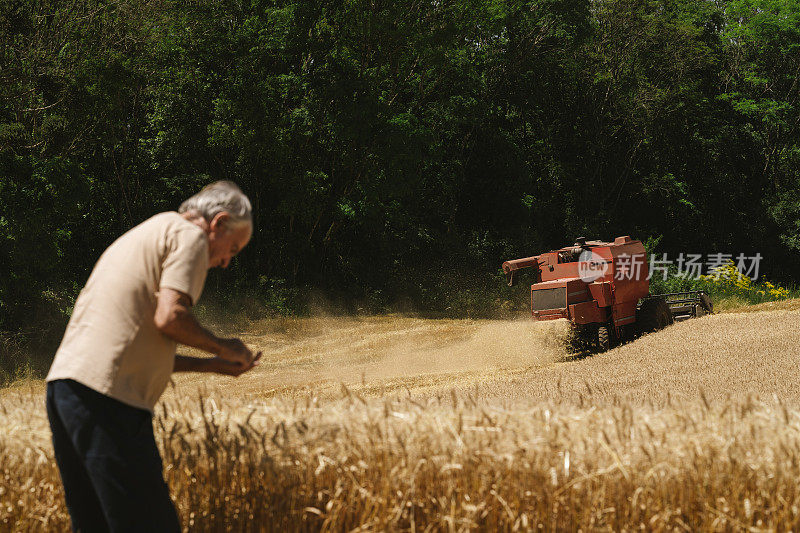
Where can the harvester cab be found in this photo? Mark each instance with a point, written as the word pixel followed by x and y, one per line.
pixel 603 289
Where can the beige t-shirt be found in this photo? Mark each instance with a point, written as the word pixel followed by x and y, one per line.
pixel 112 344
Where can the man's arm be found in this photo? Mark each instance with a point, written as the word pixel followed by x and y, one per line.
pixel 184 363
pixel 174 318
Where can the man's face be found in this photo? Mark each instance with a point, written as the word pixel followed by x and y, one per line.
pixel 225 241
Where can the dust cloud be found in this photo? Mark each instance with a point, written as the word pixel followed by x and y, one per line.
pixel 423 349
pixel 385 353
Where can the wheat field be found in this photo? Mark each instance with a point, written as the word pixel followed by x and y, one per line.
pixel 407 424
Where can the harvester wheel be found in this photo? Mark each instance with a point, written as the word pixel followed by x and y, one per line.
pixel 706 304
pixel 666 313
pixel 603 338
pixel 653 315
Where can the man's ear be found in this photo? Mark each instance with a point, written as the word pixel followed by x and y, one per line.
pixel 219 223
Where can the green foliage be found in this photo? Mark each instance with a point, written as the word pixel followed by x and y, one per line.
pixel 394 151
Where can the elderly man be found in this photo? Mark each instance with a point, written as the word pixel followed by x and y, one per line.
pixel 118 352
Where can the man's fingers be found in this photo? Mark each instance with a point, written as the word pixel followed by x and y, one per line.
pixel 247 354
pixel 240 366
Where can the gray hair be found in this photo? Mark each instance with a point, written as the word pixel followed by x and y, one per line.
pixel 218 197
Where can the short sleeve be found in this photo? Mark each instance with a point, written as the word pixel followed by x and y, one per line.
pixel 186 264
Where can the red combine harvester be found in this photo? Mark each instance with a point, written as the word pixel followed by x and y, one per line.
pixel 604 290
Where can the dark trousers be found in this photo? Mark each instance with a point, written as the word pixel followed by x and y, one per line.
pixel 109 462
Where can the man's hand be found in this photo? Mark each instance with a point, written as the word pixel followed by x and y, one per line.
pixel 185 363
pixel 235 351
pixel 174 318
pixel 222 366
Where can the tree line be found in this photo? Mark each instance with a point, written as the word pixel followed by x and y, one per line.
pixel 395 150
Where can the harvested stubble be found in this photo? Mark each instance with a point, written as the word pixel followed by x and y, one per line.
pixel 452 462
